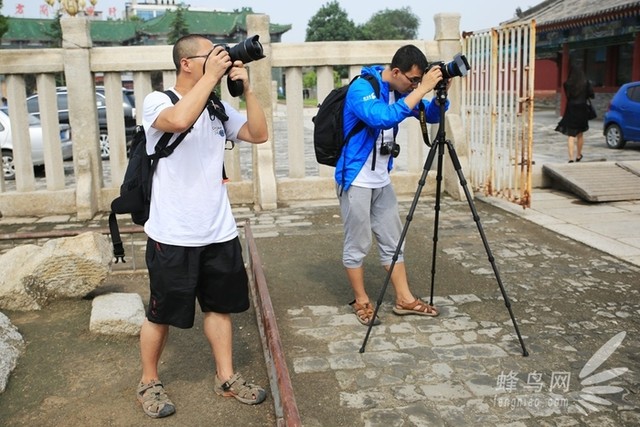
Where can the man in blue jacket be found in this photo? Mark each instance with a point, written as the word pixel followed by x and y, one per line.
pixel 367 199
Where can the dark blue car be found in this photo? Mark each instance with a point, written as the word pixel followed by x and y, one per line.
pixel 622 119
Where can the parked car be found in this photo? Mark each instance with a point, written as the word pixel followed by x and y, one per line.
pixel 128 103
pixel 37 150
pixel 622 120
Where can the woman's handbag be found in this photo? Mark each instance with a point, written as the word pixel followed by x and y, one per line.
pixel 591 112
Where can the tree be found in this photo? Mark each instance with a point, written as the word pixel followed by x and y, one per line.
pixel 331 23
pixel 4 24
pixel 55 30
pixel 179 27
pixel 388 24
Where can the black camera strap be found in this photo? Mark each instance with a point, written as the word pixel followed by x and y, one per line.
pixel 375 149
pixel 423 124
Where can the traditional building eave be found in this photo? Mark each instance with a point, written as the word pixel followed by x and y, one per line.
pixel 603 16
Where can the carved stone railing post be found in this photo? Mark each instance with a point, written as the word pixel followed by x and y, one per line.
pixel 448 38
pixel 83 115
pixel 265 188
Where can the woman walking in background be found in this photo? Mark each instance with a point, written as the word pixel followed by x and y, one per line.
pixel 575 120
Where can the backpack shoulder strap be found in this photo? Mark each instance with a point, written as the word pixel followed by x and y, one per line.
pixel 376 88
pixel 161 149
pixel 172 95
pixel 373 81
pixel 216 107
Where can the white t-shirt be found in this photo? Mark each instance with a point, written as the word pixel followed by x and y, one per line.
pixel 189 201
pixel 379 176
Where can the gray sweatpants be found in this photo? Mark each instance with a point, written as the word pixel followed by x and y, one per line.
pixel 367 210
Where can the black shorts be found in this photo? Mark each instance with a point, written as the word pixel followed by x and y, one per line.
pixel 214 274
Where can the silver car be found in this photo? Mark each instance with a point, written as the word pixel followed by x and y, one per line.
pixel 37 153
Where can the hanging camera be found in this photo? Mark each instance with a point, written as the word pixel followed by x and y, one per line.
pixel 389 147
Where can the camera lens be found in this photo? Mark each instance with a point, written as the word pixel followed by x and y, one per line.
pixel 249 50
pixel 456 68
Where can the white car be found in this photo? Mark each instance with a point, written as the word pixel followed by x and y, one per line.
pixel 37 153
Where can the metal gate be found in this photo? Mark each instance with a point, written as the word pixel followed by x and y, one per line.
pixel 497 105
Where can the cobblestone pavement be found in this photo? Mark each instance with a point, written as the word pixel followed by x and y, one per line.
pixel 577 310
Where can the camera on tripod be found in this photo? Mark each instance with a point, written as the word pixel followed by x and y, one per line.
pixel 389 147
pixel 247 51
pixel 458 67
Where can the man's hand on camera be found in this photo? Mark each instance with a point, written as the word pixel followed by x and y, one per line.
pixel 430 79
pixel 218 62
pixel 239 72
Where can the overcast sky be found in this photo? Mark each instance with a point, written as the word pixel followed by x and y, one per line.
pixel 474 15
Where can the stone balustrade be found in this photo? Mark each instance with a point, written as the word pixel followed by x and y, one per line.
pixel 265 176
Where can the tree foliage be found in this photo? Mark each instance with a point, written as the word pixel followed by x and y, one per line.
pixel 388 24
pixel 55 31
pixel 4 24
pixel 179 27
pixel 331 23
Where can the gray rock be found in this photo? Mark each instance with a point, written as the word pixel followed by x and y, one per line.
pixel 117 314
pixel 69 267
pixel 11 347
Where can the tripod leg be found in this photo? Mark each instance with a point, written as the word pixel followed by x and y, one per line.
pixel 396 254
pixel 436 220
pixel 476 219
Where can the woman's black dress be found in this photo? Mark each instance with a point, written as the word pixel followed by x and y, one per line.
pixel 576 114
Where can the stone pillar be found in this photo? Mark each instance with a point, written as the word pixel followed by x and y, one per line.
pixel 83 115
pixel 265 186
pixel 449 44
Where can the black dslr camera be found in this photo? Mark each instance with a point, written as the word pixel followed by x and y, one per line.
pixel 458 67
pixel 248 50
pixel 390 147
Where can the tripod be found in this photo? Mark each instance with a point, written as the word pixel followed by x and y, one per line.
pixel 439 145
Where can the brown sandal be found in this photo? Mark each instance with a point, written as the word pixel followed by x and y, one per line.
pixel 241 390
pixel 154 399
pixel 418 307
pixel 364 313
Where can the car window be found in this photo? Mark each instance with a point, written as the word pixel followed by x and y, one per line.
pixel 33 120
pixel 634 93
pixel 62 102
pixel 32 105
pixel 100 100
pixel 128 98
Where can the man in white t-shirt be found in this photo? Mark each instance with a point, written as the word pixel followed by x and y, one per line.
pixel 193 249
pixel 367 200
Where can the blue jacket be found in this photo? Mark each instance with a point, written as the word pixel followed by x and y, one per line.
pixel 362 104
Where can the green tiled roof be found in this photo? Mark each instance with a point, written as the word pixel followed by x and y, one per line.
pixel 216 23
pixel 113 31
pixel 28 29
pixel 220 24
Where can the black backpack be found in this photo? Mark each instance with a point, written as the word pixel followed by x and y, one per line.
pixel 135 191
pixel 328 132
